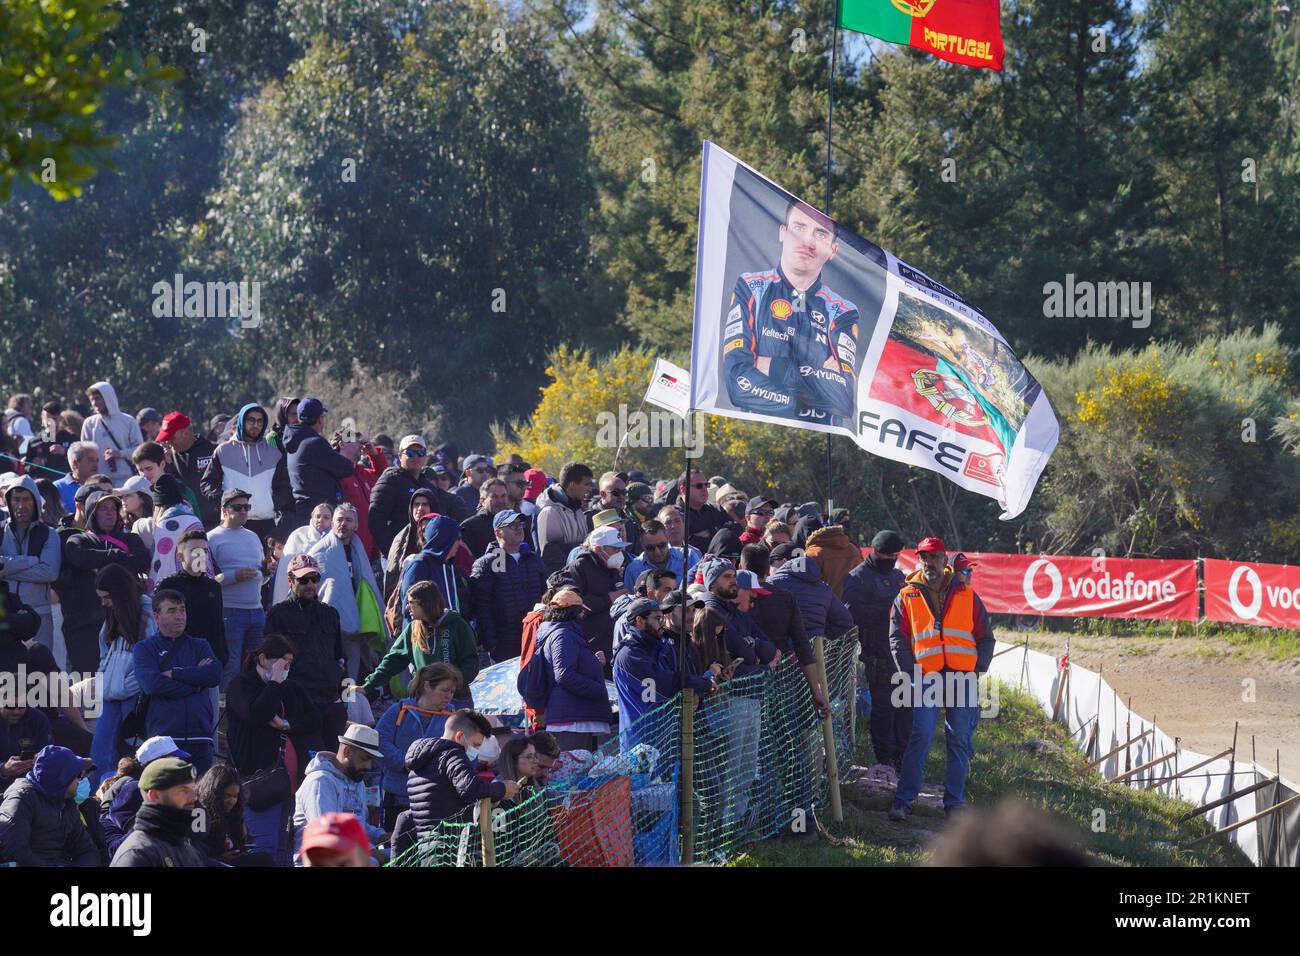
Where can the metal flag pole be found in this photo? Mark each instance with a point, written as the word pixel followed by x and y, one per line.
pixel 826 208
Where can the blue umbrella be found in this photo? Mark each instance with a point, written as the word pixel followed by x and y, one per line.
pixel 496 691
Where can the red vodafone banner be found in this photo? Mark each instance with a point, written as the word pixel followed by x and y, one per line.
pixel 1242 593
pixel 1065 586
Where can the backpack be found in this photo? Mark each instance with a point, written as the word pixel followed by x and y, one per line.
pixel 536 680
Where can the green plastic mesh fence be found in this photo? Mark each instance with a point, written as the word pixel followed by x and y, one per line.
pixel 753 762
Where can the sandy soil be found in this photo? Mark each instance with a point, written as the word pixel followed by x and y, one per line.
pixel 1193 689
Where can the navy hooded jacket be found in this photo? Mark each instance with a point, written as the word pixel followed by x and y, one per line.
pixel 869 594
pixel 39 824
pixel 579 694
pixel 433 563
pixel 315 468
pixel 822 611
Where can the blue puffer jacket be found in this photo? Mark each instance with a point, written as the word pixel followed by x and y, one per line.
pixel 180 706
pixel 403 724
pixel 646 663
pixel 823 612
pixel 505 589
pixel 579 693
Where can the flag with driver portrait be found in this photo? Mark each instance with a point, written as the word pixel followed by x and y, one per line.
pixel 798 321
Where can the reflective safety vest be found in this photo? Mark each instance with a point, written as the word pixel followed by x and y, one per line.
pixel 949 643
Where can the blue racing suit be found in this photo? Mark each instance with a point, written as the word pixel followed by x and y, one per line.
pixel 811 338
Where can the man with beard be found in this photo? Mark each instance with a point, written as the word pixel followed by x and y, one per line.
pixel 335 782
pixel 189 459
pixel 316 633
pixel 160 836
pixel 939 628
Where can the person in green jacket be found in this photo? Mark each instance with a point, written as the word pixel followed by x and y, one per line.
pixel 433 635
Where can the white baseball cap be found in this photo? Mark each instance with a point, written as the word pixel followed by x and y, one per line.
pixel 607 537
pixel 156 747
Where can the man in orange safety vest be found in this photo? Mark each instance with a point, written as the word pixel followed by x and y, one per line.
pixel 941 641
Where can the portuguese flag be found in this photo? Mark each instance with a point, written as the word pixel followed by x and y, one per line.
pixel 959 31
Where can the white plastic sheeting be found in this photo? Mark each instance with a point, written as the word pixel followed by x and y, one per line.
pixel 1089 700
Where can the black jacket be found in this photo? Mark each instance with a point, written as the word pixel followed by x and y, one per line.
pixel 777 615
pixel 189 467
pixel 160 838
pixel 29 735
pixel 442 784
pixel 36 830
pixel 315 631
pixel 705 523
pixel 726 543
pixel 251 703
pixel 204 609
pixel 390 504
pixel 505 590
pixel 476 532
pixel 315 468
pixel 869 594
pixel 594 581
pixel 84 554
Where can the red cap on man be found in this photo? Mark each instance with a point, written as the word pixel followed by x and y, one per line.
pixel 931 544
pixel 172 423
pixel 963 563
pixel 336 834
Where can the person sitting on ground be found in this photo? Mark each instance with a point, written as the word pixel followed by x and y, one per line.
pixel 223 834
pixel 422 714
pixel 335 782
pixel 442 782
pixel 161 836
pixel 40 819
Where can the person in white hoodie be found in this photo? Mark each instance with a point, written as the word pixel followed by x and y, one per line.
pixel 30 552
pixel 116 433
pixel 335 783
pixel 247 460
pixel 300 542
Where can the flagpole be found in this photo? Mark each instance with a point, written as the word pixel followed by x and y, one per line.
pixel 826 208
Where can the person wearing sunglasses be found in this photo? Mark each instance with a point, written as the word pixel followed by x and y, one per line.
pixel 316 633
pixel 247 460
pixel 390 498
pixel 478 469
pixel 730 539
pixel 657 555
pixel 613 496
pixel 706 520
pixel 237 555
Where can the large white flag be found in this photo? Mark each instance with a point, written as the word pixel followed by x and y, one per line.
pixel 800 322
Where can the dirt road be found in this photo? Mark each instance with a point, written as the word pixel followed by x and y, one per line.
pixel 1194 689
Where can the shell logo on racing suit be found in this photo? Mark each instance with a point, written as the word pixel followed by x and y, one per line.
pixel 798 351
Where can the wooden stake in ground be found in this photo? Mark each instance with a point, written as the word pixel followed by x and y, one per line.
pixel 485 826
pixel 828 735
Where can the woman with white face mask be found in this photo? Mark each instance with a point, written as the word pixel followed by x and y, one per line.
pixel 271 723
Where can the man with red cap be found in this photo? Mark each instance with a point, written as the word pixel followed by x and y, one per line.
pixel 940 636
pixel 335 839
pixel 189 457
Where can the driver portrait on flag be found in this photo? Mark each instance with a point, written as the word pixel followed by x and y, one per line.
pixel 790 343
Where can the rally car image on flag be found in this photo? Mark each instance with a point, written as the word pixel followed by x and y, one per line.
pixel 790 344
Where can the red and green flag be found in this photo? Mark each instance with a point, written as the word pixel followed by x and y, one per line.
pixel 960 31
